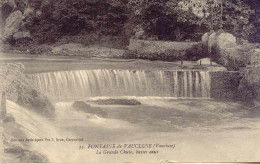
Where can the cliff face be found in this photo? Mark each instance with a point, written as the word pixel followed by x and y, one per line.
pixel 19 90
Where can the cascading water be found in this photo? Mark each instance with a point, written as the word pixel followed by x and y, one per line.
pixel 72 85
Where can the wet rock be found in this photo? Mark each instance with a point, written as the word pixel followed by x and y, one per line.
pixel 84 107
pixel 12 24
pixel 25 95
pixel 118 102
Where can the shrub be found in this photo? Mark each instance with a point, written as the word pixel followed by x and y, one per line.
pixel 197 52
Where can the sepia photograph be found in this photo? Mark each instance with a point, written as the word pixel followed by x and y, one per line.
pixel 129 81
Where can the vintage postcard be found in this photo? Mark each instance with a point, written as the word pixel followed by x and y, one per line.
pixel 129 81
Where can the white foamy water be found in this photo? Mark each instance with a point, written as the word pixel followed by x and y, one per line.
pixel 70 123
pixel 34 126
pixel 72 85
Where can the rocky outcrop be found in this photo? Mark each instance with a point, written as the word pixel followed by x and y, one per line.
pixel 21 91
pixel 12 24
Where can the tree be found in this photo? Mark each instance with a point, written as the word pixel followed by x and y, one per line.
pixel 162 18
pixel 68 18
pixel 231 15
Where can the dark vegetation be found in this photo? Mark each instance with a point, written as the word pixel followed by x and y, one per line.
pixel 99 22
pixel 193 53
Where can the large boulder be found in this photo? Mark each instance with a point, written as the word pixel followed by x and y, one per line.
pixel 226 40
pixel 221 41
pixel 13 24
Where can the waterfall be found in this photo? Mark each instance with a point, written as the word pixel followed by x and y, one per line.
pixel 71 85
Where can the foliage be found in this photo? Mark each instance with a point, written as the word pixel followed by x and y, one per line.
pixel 160 18
pixel 165 17
pixel 193 53
pixel 68 17
pixel 179 20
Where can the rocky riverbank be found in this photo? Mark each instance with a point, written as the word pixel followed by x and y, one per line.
pixel 16 88
pixel 19 90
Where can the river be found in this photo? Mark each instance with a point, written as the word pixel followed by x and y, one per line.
pixel 174 108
